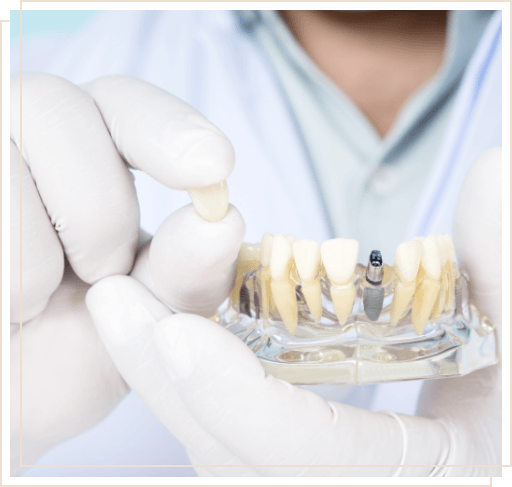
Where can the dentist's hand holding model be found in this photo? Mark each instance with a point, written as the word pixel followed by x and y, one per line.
pixel 105 310
pixel 79 201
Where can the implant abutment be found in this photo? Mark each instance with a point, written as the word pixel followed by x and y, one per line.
pixel 374 270
pixel 373 298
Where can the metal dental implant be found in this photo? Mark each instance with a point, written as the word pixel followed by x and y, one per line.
pixel 373 297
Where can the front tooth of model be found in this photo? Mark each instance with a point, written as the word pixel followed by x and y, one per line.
pixel 339 257
pixel 266 249
pixel 429 284
pixel 282 286
pixel 307 258
pixel 449 270
pixel 407 261
pixel 291 238
pixel 211 202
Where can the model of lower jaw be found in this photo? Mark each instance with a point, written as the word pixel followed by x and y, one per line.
pixel 424 275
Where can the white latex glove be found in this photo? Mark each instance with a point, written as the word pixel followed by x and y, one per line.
pixel 79 200
pixel 211 392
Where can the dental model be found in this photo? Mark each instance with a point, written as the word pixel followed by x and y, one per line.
pixel 422 279
pixel 313 315
pixel 339 256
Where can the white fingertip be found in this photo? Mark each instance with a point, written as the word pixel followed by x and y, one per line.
pixel 339 256
pixel 408 258
pixel 211 202
pixel 162 135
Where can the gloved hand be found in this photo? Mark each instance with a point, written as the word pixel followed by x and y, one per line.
pixel 211 392
pixel 80 223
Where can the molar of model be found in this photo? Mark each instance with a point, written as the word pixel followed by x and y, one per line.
pixel 307 259
pixel 407 261
pixel 211 202
pixel 248 260
pixel 428 283
pixel 281 284
pixel 339 257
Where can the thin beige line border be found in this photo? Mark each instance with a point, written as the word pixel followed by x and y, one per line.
pixel 21 309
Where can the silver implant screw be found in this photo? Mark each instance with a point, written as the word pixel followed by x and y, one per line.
pixel 373 298
pixel 374 271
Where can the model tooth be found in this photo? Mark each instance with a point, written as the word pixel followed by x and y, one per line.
pixel 402 296
pixel 266 248
pixel 407 261
pixel 339 257
pixel 343 301
pixel 449 271
pixel 211 202
pixel 431 258
pixel 280 257
pixel 307 258
pixel 248 260
pixel 282 286
pixel 291 238
pixel 428 284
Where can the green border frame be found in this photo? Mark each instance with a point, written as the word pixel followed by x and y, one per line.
pixel 5 15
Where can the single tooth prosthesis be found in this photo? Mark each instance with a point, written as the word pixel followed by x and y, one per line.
pixel 313 315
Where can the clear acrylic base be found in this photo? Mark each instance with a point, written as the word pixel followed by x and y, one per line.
pixel 360 351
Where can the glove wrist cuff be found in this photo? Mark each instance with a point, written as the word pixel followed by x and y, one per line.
pixel 418 431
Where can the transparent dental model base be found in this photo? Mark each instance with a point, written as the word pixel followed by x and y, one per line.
pixel 368 347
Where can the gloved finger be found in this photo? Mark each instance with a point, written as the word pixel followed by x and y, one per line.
pixel 88 192
pixel 191 263
pixel 166 138
pixel 459 402
pixel 477 232
pixel 125 314
pixel 69 382
pixel 266 421
pixel 40 248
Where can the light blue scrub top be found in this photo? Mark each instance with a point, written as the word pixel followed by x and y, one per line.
pixel 370 185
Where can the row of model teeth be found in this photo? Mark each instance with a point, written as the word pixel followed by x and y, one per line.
pixel 279 254
pixel 424 266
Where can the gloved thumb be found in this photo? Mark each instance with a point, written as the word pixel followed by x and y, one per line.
pixel 190 264
pixel 477 232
